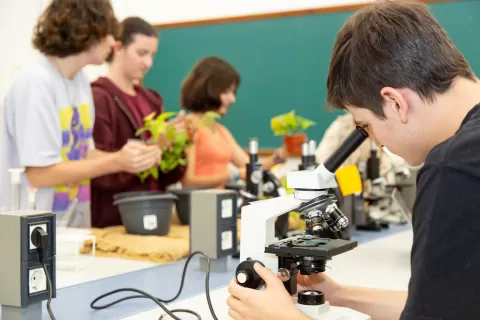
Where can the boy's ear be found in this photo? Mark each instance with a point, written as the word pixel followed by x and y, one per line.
pixel 396 101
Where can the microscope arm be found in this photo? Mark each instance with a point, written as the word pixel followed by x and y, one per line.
pixel 259 219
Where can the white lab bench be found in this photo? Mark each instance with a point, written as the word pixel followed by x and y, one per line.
pixel 383 264
pixel 74 268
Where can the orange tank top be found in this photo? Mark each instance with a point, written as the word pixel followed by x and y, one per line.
pixel 213 152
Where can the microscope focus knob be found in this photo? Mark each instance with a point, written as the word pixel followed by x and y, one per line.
pixel 246 275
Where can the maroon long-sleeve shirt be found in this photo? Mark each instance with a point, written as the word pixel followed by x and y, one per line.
pixel 115 123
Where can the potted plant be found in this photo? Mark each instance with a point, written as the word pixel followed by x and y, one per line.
pixel 292 127
pixel 173 144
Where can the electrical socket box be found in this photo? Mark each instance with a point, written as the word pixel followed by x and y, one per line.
pixel 23 280
pixel 213 222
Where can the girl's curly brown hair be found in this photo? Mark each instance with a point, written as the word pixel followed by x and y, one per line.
pixel 69 27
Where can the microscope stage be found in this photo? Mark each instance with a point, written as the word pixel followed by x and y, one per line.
pixel 310 246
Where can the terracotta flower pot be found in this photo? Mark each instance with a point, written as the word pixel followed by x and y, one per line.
pixel 293 144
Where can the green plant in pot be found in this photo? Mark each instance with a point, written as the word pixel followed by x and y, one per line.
pixel 292 127
pixel 173 142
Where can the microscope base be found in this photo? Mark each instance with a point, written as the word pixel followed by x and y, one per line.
pixel 32 312
pixel 327 312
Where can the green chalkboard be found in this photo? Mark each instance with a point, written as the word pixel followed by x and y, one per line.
pixel 283 64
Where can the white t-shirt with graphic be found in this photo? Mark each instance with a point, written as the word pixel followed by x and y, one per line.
pixel 47 119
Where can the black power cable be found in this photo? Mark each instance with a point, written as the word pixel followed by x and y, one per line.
pixel 49 309
pixel 40 239
pixel 158 301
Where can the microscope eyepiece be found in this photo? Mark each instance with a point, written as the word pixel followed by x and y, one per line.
pixel 351 143
pixel 253 150
pixel 305 149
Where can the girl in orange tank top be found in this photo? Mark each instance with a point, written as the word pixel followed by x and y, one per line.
pixel 214 158
pixel 213 151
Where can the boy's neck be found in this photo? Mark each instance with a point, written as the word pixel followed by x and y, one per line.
pixel 69 66
pixel 453 106
pixel 121 80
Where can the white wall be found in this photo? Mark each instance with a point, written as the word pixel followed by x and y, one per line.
pixel 184 10
pixel 18 17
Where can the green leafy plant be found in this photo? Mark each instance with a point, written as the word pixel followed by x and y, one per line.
pixel 289 124
pixel 173 152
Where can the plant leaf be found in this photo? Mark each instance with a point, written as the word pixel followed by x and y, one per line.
pixel 140 131
pixel 150 116
pixel 164 116
pixel 290 123
pixel 154 172
pixel 305 123
pixel 278 126
pixel 171 133
pixel 159 127
pixel 144 175
pixel 181 138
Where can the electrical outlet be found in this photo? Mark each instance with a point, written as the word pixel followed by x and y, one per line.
pixel 37 280
pixel 32 227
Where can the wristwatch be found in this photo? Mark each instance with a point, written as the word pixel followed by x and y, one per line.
pixel 277 159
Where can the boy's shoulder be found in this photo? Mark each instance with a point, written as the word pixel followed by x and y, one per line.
pixel 36 71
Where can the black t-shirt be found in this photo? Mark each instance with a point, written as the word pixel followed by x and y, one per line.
pixel 445 260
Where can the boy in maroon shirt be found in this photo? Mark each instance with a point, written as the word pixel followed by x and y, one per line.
pixel 120 107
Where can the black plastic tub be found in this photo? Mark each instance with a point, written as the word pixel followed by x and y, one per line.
pixel 145 213
pixel 183 203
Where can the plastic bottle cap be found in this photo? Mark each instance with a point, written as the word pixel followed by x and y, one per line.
pixel 15 175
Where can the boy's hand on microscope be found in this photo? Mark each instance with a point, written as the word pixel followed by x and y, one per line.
pixel 136 156
pixel 320 282
pixel 272 303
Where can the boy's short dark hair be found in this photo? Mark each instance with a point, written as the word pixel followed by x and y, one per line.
pixel 395 44
pixel 209 78
pixel 129 28
pixel 69 27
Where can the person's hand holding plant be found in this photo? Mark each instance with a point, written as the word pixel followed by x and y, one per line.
pixel 179 123
pixel 173 137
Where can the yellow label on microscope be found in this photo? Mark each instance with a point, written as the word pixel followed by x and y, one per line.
pixel 349 180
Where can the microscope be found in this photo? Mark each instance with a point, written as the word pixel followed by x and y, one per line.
pixel 308 156
pixel 378 197
pixel 308 162
pixel 263 184
pixel 307 253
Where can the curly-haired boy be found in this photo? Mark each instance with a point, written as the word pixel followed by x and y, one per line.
pixel 48 114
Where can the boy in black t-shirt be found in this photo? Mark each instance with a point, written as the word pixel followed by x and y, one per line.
pixel 400 76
